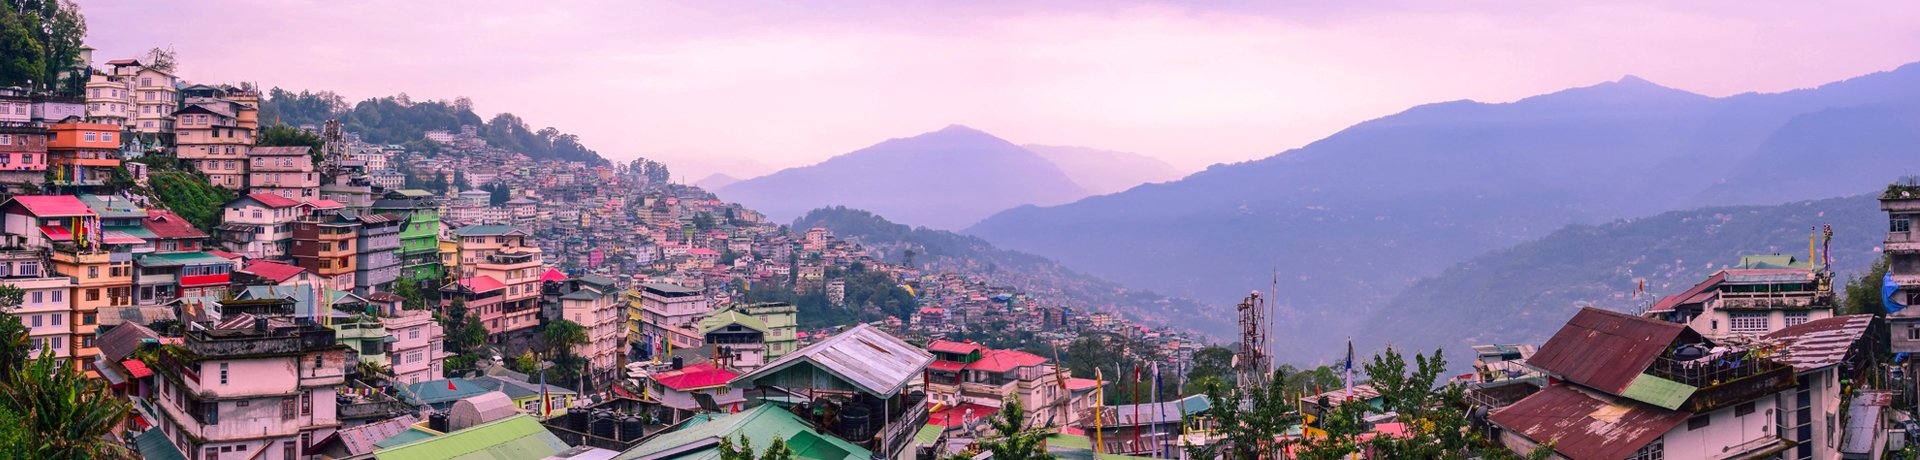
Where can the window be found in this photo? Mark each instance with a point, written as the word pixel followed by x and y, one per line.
pixel 39 297
pixel 1743 409
pixel 413 334
pixel 57 317
pixel 1913 332
pixel 212 453
pixel 1796 318
pixel 306 405
pixel 1699 422
pixel 286 449
pixel 286 411
pixel 59 296
pixel 93 272
pixel 36 320
pixel 1901 224
pixel 223 373
pixel 6 139
pixel 91 136
pixel 1748 323
pixel 93 295
pixel 87 319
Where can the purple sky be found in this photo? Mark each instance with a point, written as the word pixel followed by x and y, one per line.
pixel 748 86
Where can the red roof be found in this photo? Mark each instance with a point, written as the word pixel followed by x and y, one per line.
pixel 956 415
pixel 702 252
pixel 1005 360
pixel 1080 384
pixel 54 205
pixel 166 224
pixel 553 275
pixel 482 283
pixel 136 368
pixel 273 201
pixel 225 254
pixel 1587 425
pixel 57 233
pixel 945 365
pixel 1704 288
pixel 960 348
pixel 326 204
pixel 272 271
pixel 698 376
pixel 1605 350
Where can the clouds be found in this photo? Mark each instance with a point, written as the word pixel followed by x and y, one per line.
pixel 792 83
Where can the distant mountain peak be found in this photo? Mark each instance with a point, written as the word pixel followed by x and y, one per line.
pixel 1628 90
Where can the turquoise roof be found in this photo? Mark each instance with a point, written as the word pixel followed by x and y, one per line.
pixel 154 445
pixel 118 208
pixel 484 230
pixel 181 259
pixel 435 391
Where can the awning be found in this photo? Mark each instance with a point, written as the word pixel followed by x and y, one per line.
pixel 56 232
pixel 137 368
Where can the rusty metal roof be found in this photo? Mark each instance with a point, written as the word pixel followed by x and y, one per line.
pixel 1587 425
pixel 1698 290
pixel 1605 350
pixel 1819 343
pixel 863 356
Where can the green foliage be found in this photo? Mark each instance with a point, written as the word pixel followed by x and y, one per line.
pixel 21 56
pixel 1014 441
pixel 39 39
pixel 562 335
pixel 498 194
pixel 526 363
pixel 67 414
pixel 399 119
pixel 288 136
pixel 777 450
pixel 190 196
pixel 1212 362
pixel 1863 292
pixel 1248 431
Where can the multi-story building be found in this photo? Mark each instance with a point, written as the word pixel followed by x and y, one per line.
pixel 325 243
pixel 966 373
pixel 420 238
pixel 378 259
pixel 1902 247
pixel 70 230
pixel 668 314
pixel 415 353
pixel 209 136
pixel 1760 295
pixel 251 388
pixel 782 323
pixel 259 226
pixel 83 155
pixel 593 302
pixel 284 171
pixel 110 100
pixel 44 306
pixel 23 158
pixel 154 96
pixel 16 107
pixel 501 253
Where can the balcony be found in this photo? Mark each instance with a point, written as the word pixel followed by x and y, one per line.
pixel 1724 381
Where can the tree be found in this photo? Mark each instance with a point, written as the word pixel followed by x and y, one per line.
pixel 498 194
pixel 1014 442
pixel 67 414
pixel 22 59
pixel 163 58
pixel 1863 295
pixel 1211 362
pixel 1248 430
pixel 280 135
pixel 776 450
pixel 563 335
pixel 190 196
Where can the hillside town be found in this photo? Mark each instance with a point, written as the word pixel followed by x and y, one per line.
pixel 219 285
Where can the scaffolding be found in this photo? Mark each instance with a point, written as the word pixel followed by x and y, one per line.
pixel 1253 364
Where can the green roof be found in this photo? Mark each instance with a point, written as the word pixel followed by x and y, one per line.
pixel 413 193
pixel 154 445
pixel 1775 261
pixel 181 259
pixel 760 425
pixel 135 231
pixel 517 437
pixel 928 435
pixel 411 435
pixel 1068 447
pixel 118 208
pixel 1658 391
pixel 484 230
pixel 730 316
pixel 583 294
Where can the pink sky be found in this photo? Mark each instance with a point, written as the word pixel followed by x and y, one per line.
pixel 749 86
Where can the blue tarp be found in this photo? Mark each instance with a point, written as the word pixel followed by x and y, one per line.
pixel 1887 287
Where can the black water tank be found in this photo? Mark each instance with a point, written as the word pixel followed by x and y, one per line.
pixel 632 428
pixel 577 421
pixel 437 421
pixel 603 425
pixel 1689 352
pixel 854 420
pixel 677 362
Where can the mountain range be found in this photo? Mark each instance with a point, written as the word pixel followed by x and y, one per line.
pixel 945 179
pixel 1349 222
pixel 1106 171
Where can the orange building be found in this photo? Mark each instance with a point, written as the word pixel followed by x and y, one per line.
pixel 83 154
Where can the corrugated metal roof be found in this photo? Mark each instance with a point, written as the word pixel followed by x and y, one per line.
pixel 1605 350
pixel 1584 425
pixel 361 439
pixel 280 150
pixel 518 437
pixel 1819 343
pixel 54 205
pixel 1669 302
pixel 1864 427
pixel 868 358
pixel 760 425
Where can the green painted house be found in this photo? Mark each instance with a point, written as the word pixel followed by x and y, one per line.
pixel 420 237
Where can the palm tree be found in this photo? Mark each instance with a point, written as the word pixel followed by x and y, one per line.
pixel 69 414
